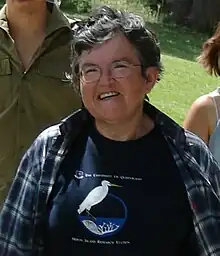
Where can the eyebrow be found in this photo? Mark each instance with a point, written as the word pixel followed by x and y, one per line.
pixel 122 59
pixel 89 64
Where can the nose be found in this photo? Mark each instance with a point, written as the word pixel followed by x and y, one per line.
pixel 106 77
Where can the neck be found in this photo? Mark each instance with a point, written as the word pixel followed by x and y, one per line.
pixel 127 130
pixel 26 20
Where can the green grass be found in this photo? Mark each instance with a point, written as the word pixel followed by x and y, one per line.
pixel 184 79
pixel 182 83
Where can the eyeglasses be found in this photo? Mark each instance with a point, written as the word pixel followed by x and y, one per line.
pixel 119 69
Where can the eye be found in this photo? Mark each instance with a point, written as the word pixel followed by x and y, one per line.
pixel 121 65
pixel 90 70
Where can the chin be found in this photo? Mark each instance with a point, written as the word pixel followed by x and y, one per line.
pixel 108 115
pixel 112 118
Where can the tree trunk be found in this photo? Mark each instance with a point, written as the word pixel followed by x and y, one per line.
pixel 204 15
pixel 179 10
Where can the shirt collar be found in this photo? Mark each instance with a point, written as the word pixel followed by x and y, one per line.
pixel 170 129
pixel 3 19
pixel 55 19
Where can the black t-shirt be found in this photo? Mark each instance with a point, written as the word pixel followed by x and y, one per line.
pixel 119 198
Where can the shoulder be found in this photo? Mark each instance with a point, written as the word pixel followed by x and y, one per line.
pixel 206 102
pixel 46 137
pixel 200 111
pixel 50 132
pixel 200 160
pixel 198 150
pixel 37 152
pixel 201 116
pixel 72 124
pixel 203 103
pixel 195 142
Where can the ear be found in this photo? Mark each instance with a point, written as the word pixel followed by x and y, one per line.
pixel 151 77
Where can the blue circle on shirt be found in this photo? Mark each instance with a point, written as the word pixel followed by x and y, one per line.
pixel 105 218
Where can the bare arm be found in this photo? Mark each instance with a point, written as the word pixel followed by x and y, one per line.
pixel 201 117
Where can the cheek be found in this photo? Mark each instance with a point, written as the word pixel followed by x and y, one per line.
pixel 135 88
pixel 87 92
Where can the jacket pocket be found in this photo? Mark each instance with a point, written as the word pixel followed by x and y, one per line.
pixel 58 71
pixel 5 67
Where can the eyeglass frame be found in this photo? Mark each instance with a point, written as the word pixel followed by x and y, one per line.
pixel 130 65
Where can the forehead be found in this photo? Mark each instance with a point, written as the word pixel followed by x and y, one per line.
pixel 113 49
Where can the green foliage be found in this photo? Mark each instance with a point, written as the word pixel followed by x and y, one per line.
pixel 76 6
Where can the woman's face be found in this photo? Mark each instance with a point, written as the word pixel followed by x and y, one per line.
pixel 112 85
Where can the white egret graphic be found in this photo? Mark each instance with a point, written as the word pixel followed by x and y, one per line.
pixel 95 196
pixel 101 226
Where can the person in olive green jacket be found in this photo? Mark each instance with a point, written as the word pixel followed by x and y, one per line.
pixel 35 91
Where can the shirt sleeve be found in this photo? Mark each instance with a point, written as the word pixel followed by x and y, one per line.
pixel 208 165
pixel 17 214
pixel 204 190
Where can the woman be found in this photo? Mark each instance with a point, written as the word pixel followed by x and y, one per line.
pixel 203 118
pixel 117 167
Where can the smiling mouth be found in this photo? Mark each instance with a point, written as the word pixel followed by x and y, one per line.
pixel 108 95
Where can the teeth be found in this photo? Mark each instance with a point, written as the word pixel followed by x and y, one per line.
pixel 108 94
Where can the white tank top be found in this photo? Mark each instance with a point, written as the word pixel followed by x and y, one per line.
pixel 214 141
